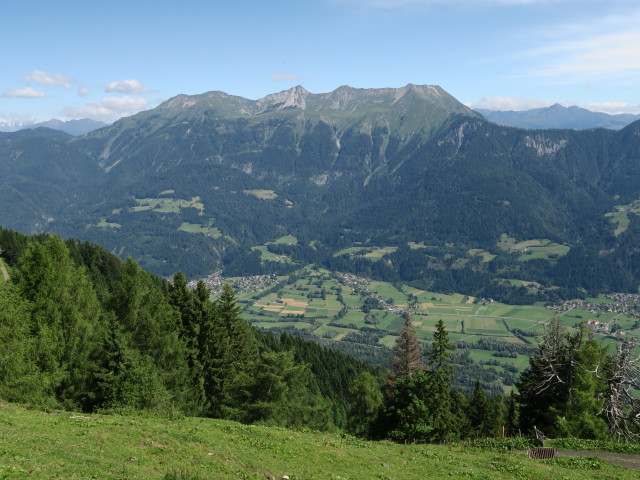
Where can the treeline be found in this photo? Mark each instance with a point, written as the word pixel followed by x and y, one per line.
pixel 572 388
pixel 81 329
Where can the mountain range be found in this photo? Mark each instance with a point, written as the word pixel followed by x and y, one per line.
pixel 72 127
pixel 213 181
pixel 557 116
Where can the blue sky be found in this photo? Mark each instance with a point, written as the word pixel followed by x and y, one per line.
pixel 103 60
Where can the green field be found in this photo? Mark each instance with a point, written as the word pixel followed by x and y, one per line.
pixel 533 249
pixel 286 240
pixel 104 224
pixel 330 305
pixel 209 230
pixel 620 217
pixel 262 194
pixel 61 445
pixel 267 256
pixel 167 205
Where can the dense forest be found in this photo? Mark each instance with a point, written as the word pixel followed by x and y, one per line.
pixel 81 329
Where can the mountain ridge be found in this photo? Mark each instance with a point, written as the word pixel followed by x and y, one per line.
pixel 558 116
pixel 202 183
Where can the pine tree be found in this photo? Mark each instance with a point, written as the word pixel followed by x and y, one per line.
pixel 442 421
pixel 406 357
pixel 441 349
pixel 242 348
pixel 20 377
pixel 366 400
pixel 479 411
pixel 65 319
pixel 151 339
pixel 559 393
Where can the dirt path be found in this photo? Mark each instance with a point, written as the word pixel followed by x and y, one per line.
pixel 4 272
pixel 625 460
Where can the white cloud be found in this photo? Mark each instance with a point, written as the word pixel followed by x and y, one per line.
pixel 426 3
pixel 616 54
pixel 83 91
pixel 523 103
pixel 52 79
pixel 283 76
pixel 26 92
pixel 509 103
pixel 612 108
pixel 126 86
pixel 603 47
pixel 108 109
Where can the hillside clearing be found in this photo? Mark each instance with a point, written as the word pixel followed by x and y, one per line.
pixel 64 445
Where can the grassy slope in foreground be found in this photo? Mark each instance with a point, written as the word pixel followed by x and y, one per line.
pixel 34 444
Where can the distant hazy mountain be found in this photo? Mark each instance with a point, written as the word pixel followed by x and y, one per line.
pixel 557 116
pixel 72 127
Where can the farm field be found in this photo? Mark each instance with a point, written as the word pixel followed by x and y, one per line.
pixel 209 230
pixel 620 217
pixel 167 204
pixel 533 249
pixel 340 307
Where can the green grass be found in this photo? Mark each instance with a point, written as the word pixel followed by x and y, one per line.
pixel 262 194
pixel 267 256
pixel 303 296
pixel 4 271
pixel 209 230
pixel 350 250
pixel 486 256
pixel 378 253
pixel 167 205
pixel 286 240
pixel 104 224
pixel 41 445
pixel 532 249
pixel 620 217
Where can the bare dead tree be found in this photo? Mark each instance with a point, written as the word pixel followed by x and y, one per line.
pixel 621 409
pixel 551 358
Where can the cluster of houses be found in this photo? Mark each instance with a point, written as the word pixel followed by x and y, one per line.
pixel 353 281
pixel 622 303
pixel 255 283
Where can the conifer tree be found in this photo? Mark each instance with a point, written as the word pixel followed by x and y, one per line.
pixel 406 357
pixel 65 319
pixel 242 348
pixel 479 411
pixel 20 377
pixel 442 421
pixel 214 351
pixel 366 400
pixel 150 329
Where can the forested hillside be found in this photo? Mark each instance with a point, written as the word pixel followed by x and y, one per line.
pixel 454 202
pixel 83 330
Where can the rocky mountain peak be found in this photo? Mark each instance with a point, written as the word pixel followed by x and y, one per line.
pixel 295 97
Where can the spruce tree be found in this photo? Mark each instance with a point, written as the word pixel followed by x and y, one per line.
pixel 406 357
pixel 366 400
pixel 242 348
pixel 479 411
pixel 442 421
pixel 65 319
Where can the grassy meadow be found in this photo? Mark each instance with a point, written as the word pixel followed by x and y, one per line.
pixel 48 445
